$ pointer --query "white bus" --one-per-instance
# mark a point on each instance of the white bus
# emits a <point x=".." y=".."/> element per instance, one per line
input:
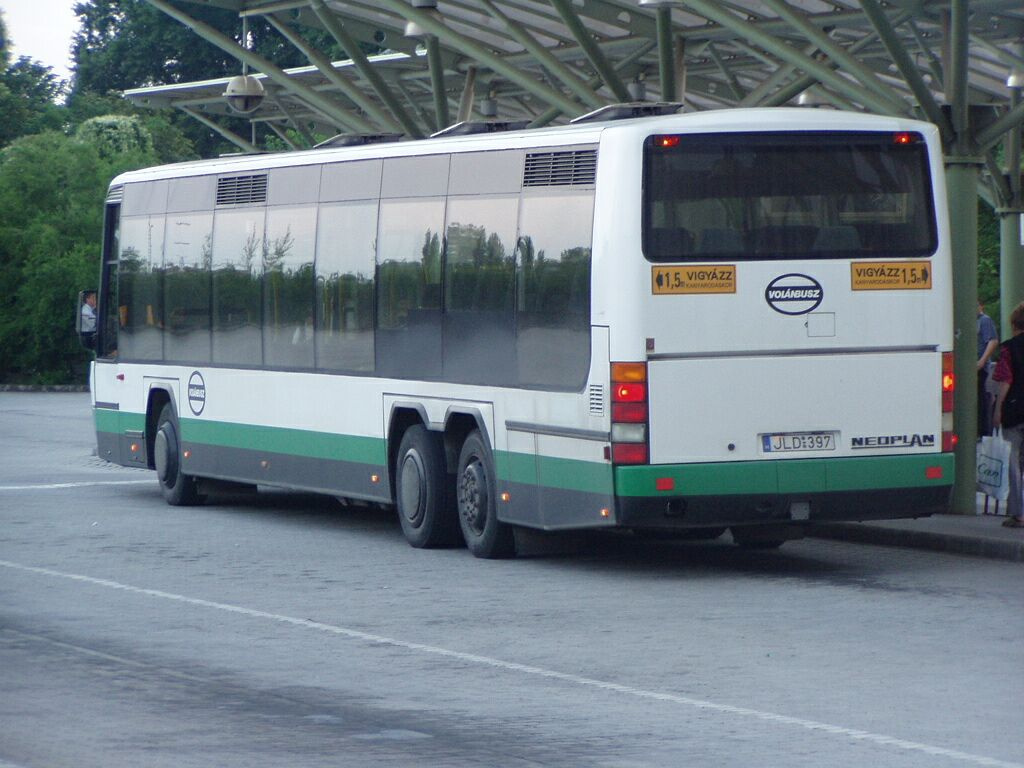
<point x="674" y="324"/>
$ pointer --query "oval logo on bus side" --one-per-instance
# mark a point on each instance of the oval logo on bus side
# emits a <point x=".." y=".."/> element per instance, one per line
<point x="794" y="294"/>
<point x="196" y="393"/>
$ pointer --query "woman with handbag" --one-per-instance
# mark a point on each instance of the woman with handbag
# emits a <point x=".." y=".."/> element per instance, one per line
<point x="1009" y="410"/>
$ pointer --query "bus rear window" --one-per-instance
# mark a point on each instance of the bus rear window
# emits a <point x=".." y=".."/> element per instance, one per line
<point x="815" y="195"/>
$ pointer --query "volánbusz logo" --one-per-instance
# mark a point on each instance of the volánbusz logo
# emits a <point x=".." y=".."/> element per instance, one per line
<point x="794" y="294"/>
<point x="196" y="393"/>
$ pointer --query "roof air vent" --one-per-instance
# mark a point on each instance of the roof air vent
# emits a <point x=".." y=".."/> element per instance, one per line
<point x="237" y="190"/>
<point x="560" y="169"/>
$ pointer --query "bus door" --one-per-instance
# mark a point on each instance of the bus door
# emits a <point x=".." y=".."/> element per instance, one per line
<point x="107" y="382"/>
<point x="799" y="298"/>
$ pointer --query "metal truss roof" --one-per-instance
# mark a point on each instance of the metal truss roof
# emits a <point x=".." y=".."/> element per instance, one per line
<point x="948" y="61"/>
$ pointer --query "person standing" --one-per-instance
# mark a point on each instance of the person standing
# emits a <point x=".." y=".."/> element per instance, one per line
<point x="988" y="342"/>
<point x="88" y="324"/>
<point x="1009" y="410"/>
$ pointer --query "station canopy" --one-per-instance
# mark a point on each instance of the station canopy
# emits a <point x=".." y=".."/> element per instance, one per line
<point x="440" y="62"/>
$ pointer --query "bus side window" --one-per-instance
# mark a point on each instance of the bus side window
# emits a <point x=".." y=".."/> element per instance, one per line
<point x="409" y="248"/>
<point x="553" y="319"/>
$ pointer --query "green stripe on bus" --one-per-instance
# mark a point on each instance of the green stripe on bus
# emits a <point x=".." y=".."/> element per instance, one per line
<point x="295" y="442"/>
<point x="788" y="476"/>
<point x="552" y="472"/>
<point x="109" y="420"/>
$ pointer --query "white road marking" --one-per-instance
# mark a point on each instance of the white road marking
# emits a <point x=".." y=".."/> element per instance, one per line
<point x="59" y="486"/>
<point x="510" y="666"/>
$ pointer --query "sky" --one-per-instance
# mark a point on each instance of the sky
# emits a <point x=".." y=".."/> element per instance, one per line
<point x="42" y="30"/>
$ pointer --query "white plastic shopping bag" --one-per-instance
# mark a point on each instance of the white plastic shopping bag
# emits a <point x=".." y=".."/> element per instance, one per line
<point x="994" y="466"/>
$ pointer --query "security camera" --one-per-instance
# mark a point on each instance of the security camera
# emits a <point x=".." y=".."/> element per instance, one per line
<point x="244" y="94"/>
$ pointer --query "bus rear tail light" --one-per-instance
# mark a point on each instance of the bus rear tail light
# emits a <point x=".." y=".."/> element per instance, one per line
<point x="630" y="413"/>
<point x="949" y="439"/>
<point x="948" y="382"/>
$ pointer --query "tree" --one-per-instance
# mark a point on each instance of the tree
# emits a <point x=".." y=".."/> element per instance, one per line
<point x="52" y="188"/>
<point x="28" y="94"/>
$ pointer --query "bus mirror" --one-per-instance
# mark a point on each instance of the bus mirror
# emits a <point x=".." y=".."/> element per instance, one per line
<point x="85" y="319"/>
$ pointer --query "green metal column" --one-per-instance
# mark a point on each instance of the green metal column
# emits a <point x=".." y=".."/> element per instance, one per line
<point x="1011" y="265"/>
<point x="1011" y="225"/>
<point x="962" y="187"/>
<point x="666" y="53"/>
<point x="441" y="120"/>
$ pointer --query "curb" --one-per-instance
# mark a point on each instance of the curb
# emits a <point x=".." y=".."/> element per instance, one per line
<point x="936" y="542"/>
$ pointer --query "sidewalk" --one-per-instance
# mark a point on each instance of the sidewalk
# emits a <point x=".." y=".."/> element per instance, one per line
<point x="980" y="535"/>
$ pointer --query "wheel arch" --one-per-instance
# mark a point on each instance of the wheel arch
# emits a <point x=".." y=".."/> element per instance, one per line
<point x="159" y="396"/>
<point x="402" y="416"/>
<point x="459" y="421"/>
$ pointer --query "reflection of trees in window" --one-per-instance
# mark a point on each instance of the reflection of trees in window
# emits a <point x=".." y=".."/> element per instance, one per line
<point x="346" y="302"/>
<point x="274" y="276"/>
<point x="288" y="287"/>
<point x="346" y="245"/>
<point x="411" y="285"/>
<point x="187" y="278"/>
<point x="480" y="269"/>
<point x="553" y="302"/>
<point x="238" y="246"/>
<point x="140" y="310"/>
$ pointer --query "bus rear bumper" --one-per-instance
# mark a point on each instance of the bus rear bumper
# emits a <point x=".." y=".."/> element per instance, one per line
<point x="796" y="490"/>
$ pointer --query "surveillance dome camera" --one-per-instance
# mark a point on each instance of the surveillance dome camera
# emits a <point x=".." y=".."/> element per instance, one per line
<point x="244" y="94"/>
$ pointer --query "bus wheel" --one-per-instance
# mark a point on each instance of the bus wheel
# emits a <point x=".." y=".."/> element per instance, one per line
<point x="485" y="535"/>
<point x="179" y="489"/>
<point x="424" y="505"/>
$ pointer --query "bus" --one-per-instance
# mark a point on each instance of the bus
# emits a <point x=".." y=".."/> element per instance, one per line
<point x="676" y="324"/>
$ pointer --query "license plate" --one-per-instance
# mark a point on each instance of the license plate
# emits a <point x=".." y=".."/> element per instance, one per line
<point x="799" y="441"/>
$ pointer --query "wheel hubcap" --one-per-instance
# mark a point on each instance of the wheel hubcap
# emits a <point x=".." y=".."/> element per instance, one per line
<point x="164" y="458"/>
<point x="472" y="496"/>
<point x="412" y="487"/>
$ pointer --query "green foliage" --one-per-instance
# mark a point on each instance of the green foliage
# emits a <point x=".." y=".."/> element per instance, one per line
<point x="988" y="260"/>
<point x="28" y="92"/>
<point x="115" y="135"/>
<point x="51" y="206"/>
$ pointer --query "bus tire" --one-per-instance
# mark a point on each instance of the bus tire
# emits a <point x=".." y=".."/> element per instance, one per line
<point x="179" y="489"/>
<point x="422" y="497"/>
<point x="476" y="492"/>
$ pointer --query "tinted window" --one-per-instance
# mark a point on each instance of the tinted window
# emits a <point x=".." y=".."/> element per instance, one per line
<point x="109" y="309"/>
<point x="553" y="303"/>
<point x="187" y="256"/>
<point x="346" y="242"/>
<point x="479" y="330"/>
<point x="141" y="292"/>
<point x="288" y="287"/>
<point x="409" y="249"/>
<point x="238" y="254"/>
<point x="769" y="196"/>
